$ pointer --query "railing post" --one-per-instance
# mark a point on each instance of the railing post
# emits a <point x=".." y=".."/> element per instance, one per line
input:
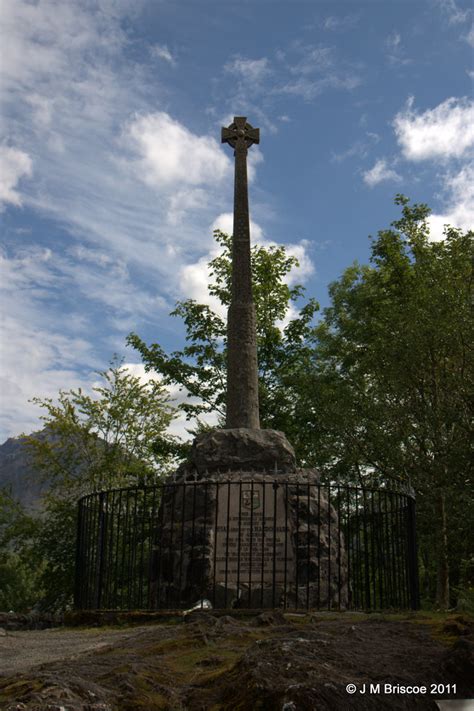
<point x="100" y="552"/>
<point x="78" y="572"/>
<point x="413" y="580"/>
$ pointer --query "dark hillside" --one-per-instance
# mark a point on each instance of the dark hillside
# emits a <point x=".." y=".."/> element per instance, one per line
<point x="18" y="474"/>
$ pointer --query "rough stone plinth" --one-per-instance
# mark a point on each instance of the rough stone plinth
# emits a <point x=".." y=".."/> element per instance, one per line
<point x="240" y="449"/>
<point x="213" y="544"/>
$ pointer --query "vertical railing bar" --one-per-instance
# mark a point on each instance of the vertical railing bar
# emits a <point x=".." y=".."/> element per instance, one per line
<point x="262" y="544"/>
<point x="275" y="487"/>
<point x="400" y="550"/>
<point x="100" y="551"/>
<point x="227" y="544"/>
<point x="405" y="528"/>
<point x="164" y="499"/>
<point x="413" y="553"/>
<point x="132" y="553"/>
<point x="388" y="556"/>
<point x="319" y="544"/>
<point x="215" y="546"/>
<point x="339" y="545"/>
<point x="193" y="534"/>
<point x="297" y="546"/>
<point x="366" y="554"/>
<point x="171" y="571"/>
<point x="372" y="545"/>
<point x="397" y="548"/>
<point x="78" y="569"/>
<point x="308" y="544"/>
<point x="239" y="540"/>
<point x="204" y="542"/>
<point x="151" y="551"/>
<point x="181" y="547"/>
<point x="348" y="546"/>
<point x="392" y="545"/>
<point x="117" y="551"/>
<point x="285" y="572"/>
<point x="94" y="523"/>
<point x="142" y="552"/>
<point x="358" y="564"/>
<point x="329" y="547"/>
<point x="107" y="556"/>
<point x="251" y="542"/>
<point x="380" y="551"/>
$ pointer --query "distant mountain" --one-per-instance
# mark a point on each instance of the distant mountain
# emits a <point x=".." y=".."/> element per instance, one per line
<point x="18" y="474"/>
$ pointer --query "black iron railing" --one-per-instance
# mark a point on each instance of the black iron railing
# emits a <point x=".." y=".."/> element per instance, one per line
<point x="249" y="543"/>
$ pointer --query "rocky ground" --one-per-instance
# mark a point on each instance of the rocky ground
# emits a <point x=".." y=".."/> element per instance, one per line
<point x="269" y="661"/>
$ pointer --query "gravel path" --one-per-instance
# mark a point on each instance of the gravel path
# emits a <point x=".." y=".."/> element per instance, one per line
<point x="21" y="650"/>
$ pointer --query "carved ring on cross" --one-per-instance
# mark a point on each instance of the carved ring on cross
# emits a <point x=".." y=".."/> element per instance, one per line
<point x="240" y="134"/>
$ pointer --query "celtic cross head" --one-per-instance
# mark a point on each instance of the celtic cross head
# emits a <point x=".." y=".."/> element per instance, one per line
<point x="240" y="134"/>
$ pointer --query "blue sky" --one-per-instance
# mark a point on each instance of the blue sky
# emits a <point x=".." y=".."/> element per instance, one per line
<point x="112" y="175"/>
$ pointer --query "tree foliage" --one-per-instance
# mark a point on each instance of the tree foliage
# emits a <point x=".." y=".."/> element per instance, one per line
<point x="391" y="388"/>
<point x="105" y="440"/>
<point x="283" y="340"/>
<point x="117" y="437"/>
<point x="19" y="572"/>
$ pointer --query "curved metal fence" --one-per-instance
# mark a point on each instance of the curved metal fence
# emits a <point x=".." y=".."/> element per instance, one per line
<point x="249" y="543"/>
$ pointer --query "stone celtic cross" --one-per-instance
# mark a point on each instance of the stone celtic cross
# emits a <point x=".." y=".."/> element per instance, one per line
<point x="242" y="368"/>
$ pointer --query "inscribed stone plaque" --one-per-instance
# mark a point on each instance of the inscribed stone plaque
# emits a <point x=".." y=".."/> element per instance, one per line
<point x="253" y="538"/>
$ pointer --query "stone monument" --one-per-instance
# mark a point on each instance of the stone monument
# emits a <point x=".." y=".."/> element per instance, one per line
<point x="241" y="525"/>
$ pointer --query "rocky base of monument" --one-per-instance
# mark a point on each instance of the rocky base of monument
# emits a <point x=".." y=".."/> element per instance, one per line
<point x="242" y="526"/>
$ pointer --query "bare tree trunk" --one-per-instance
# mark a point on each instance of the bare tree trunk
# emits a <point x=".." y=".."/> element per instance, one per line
<point x="442" y="586"/>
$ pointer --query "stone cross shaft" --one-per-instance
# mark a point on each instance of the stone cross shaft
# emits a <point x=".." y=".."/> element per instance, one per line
<point x="242" y="367"/>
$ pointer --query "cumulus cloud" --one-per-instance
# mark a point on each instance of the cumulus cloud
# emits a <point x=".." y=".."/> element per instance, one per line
<point x="170" y="153"/>
<point x="444" y="134"/>
<point x="379" y="173"/>
<point x="459" y="210"/>
<point x="447" y="131"/>
<point x="14" y="165"/>
<point x="194" y="278"/>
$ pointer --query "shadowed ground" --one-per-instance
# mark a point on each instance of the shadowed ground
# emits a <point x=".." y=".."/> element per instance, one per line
<point x="269" y="661"/>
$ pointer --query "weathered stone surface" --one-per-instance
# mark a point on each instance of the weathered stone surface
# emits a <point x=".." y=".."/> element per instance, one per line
<point x="242" y="367"/>
<point x="241" y="449"/>
<point x="250" y="539"/>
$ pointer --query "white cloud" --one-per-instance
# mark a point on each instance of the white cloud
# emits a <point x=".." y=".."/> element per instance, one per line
<point x="194" y="278"/>
<point x="14" y="165"/>
<point x="380" y="172"/>
<point x="71" y="92"/>
<point x="447" y="131"/>
<point x="334" y="23"/>
<point x="469" y="38"/>
<point x="250" y="70"/>
<point x="444" y="134"/>
<point x="309" y="89"/>
<point x="395" y="50"/>
<point x="459" y="211"/>
<point x="455" y="15"/>
<point x="161" y="51"/>
<point x="314" y="59"/>
<point x="170" y="153"/>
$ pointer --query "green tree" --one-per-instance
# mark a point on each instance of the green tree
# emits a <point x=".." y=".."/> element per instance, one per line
<point x="284" y="351"/>
<point x="391" y="388"/>
<point x="19" y="574"/>
<point x="113" y="438"/>
<point x="117" y="437"/>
